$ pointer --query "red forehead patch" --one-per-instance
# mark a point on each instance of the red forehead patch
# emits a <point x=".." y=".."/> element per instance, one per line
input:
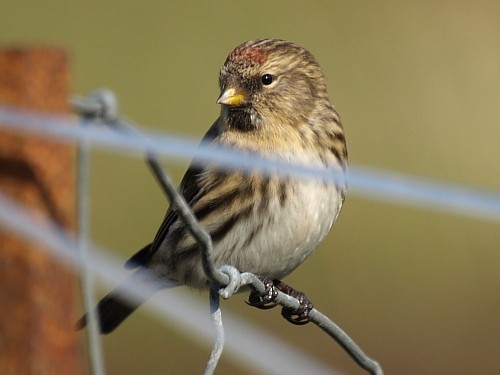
<point x="251" y="54"/>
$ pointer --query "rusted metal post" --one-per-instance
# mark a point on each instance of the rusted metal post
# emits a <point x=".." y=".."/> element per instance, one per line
<point x="37" y="294"/>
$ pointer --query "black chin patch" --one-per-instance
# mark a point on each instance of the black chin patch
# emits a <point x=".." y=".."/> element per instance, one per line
<point x="240" y="118"/>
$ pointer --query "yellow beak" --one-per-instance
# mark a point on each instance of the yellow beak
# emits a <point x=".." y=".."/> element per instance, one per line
<point x="231" y="97"/>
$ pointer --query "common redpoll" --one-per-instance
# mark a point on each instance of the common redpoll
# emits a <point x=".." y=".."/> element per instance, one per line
<point x="274" y="103"/>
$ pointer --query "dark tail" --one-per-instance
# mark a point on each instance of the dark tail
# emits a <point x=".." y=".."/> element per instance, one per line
<point x="113" y="309"/>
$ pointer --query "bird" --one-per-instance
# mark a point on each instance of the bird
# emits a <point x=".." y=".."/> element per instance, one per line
<point x="274" y="104"/>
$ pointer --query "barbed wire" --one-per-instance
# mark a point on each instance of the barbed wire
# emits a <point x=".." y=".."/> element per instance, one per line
<point x="375" y="184"/>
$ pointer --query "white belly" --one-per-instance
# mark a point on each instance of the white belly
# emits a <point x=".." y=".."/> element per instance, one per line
<point x="287" y="236"/>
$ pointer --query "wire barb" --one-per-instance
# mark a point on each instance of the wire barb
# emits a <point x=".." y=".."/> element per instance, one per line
<point x="99" y="104"/>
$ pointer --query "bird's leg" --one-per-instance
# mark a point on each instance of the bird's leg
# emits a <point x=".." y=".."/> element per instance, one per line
<point x="299" y="316"/>
<point x="264" y="301"/>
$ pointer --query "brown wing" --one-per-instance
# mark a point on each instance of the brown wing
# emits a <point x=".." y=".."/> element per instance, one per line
<point x="191" y="190"/>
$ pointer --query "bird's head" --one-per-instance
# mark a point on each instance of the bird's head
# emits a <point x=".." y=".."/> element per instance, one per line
<point x="269" y="82"/>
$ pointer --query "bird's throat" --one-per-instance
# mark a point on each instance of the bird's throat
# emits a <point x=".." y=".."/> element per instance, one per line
<point x="241" y="118"/>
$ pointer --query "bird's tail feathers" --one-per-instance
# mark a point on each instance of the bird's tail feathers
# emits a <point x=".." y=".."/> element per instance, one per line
<point x="114" y="308"/>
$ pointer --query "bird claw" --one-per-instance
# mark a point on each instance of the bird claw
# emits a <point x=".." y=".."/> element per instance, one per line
<point x="264" y="301"/>
<point x="298" y="316"/>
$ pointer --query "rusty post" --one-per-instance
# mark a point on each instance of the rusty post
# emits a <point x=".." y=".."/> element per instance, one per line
<point x="37" y="294"/>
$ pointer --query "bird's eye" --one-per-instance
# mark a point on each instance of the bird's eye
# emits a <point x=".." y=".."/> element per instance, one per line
<point x="267" y="79"/>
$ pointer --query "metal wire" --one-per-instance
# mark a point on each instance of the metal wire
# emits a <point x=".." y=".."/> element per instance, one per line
<point x="100" y="105"/>
<point x="392" y="187"/>
<point x="86" y="280"/>
<point x="346" y="342"/>
<point x="216" y="315"/>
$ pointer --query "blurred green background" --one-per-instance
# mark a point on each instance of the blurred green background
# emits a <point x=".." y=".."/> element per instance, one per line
<point x="418" y="87"/>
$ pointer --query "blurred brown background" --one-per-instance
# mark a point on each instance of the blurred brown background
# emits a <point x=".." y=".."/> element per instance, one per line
<point x="418" y="87"/>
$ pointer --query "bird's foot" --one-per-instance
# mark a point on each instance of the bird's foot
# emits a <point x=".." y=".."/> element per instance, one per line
<point x="267" y="300"/>
<point x="298" y="316"/>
